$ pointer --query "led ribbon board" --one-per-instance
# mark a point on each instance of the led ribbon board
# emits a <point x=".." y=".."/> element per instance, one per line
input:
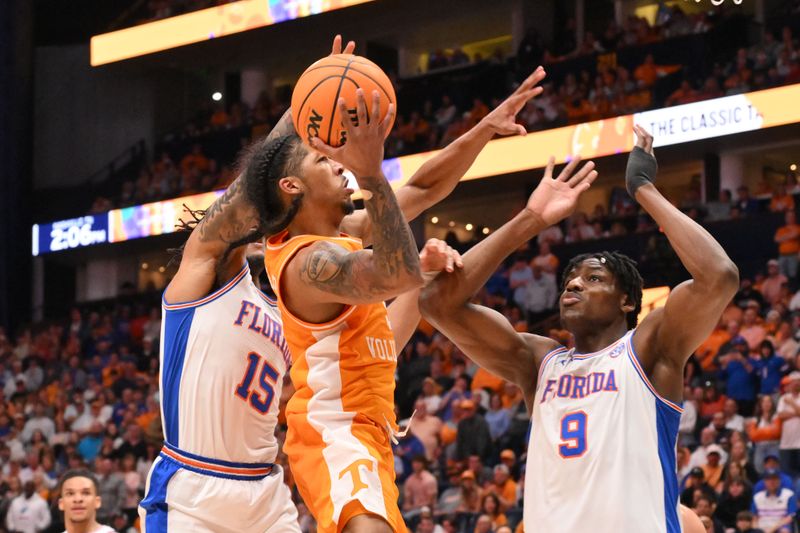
<point x="204" y="25"/>
<point x="670" y="126"/>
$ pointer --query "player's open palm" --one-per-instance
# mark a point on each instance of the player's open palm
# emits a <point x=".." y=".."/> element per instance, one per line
<point x="503" y="119"/>
<point x="437" y="256"/>
<point x="555" y="198"/>
<point x="363" y="151"/>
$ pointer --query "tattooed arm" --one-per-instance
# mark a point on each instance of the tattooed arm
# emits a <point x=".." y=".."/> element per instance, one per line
<point x="323" y="277"/>
<point x="326" y="273"/>
<point x="207" y="260"/>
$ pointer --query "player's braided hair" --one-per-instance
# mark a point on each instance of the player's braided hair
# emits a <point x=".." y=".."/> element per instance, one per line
<point x="260" y="167"/>
<point x="624" y="270"/>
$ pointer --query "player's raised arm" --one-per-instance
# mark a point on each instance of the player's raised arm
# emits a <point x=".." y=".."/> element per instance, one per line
<point x="211" y="255"/>
<point x="670" y="334"/>
<point x="481" y="333"/>
<point x="331" y="274"/>
<point x="439" y="176"/>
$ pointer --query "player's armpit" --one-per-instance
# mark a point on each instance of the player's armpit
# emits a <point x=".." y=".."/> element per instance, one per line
<point x="331" y="274"/>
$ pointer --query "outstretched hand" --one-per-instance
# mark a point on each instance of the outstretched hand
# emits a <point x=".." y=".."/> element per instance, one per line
<point x="556" y="198"/>
<point x="642" y="166"/>
<point x="437" y="256"/>
<point x="503" y="119"/>
<point x="363" y="151"/>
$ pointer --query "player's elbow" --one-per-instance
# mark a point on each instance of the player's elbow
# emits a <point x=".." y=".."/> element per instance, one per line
<point x="727" y="277"/>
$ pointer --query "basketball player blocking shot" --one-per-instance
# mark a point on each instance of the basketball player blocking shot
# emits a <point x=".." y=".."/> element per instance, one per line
<point x="602" y="450"/>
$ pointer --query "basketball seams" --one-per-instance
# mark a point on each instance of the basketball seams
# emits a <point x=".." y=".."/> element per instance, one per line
<point x="342" y="77"/>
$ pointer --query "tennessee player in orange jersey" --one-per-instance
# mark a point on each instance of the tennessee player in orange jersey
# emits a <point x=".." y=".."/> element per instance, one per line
<point x="331" y="292"/>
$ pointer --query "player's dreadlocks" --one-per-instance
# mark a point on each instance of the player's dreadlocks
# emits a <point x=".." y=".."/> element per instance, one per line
<point x="624" y="270"/>
<point x="260" y="167"/>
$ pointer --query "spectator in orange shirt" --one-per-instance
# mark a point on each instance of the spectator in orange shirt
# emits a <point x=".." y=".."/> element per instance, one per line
<point x="195" y="160"/>
<point x="483" y="379"/>
<point x="771" y="286"/>
<point x="788" y="239"/>
<point x="707" y="352"/>
<point x="503" y="486"/>
<point x="648" y="72"/>
<point x="781" y="201"/>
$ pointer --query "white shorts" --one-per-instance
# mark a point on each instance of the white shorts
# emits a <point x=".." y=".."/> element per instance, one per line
<point x="192" y="494"/>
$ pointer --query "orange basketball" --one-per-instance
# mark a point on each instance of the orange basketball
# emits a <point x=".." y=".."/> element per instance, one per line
<point x="314" y="109"/>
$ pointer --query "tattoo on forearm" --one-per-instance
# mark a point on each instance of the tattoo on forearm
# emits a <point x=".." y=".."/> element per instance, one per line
<point x="333" y="269"/>
<point x="395" y="251"/>
<point x="230" y="218"/>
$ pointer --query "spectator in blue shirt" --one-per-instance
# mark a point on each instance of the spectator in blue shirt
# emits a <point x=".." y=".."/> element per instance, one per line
<point x="770" y="368"/>
<point x="747" y="204"/>
<point x="738" y="373"/>
<point x="773" y="464"/>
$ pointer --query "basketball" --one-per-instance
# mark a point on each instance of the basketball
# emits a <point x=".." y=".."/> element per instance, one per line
<point x="314" y="109"/>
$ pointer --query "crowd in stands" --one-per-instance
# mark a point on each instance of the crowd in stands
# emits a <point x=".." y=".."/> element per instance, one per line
<point x="83" y="391"/>
<point x="191" y="160"/>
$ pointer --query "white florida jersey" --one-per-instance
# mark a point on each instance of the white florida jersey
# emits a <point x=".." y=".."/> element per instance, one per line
<point x="223" y="359"/>
<point x="602" y="450"/>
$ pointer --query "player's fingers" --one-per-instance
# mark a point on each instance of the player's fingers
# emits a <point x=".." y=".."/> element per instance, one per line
<point x="535" y="77"/>
<point x="350" y="47"/>
<point x="567" y="171"/>
<point x="325" y="149"/>
<point x="375" y="114"/>
<point x="336" y="48"/>
<point x="361" y="108"/>
<point x="459" y="261"/>
<point x="388" y="120"/>
<point x="344" y="114"/>
<point x="548" y="170"/>
<point x="521" y="130"/>
<point x="581" y="174"/>
<point x="449" y="264"/>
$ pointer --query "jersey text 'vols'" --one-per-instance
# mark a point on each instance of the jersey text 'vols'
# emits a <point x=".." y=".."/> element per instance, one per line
<point x="223" y="359"/>
<point x="602" y="451"/>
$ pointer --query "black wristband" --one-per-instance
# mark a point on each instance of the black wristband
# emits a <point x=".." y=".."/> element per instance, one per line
<point x="641" y="170"/>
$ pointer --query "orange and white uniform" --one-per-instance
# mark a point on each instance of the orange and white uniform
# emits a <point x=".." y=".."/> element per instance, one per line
<point x="342" y="413"/>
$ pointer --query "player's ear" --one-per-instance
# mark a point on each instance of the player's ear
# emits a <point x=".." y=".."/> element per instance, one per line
<point x="626" y="304"/>
<point x="98" y="502"/>
<point x="291" y="185"/>
<point x="60" y="504"/>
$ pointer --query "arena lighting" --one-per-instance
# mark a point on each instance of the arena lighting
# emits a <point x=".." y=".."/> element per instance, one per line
<point x="792" y="167"/>
<point x="468" y="227"/>
<point x="673" y="125"/>
<point x="434" y="220"/>
<point x="204" y="25"/>
<point x="217" y="96"/>
<point x="485" y="231"/>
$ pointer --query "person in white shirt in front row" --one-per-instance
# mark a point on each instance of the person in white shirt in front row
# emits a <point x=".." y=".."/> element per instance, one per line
<point x="28" y="512"/>
<point x="80" y="501"/>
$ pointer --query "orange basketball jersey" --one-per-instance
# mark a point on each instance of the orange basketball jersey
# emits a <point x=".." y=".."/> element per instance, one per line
<point x="344" y="366"/>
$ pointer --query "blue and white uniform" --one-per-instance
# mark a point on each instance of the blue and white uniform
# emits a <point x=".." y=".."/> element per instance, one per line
<point x="602" y="451"/>
<point x="223" y="359"/>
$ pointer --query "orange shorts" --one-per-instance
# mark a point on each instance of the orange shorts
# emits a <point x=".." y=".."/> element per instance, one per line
<point x="343" y="467"/>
